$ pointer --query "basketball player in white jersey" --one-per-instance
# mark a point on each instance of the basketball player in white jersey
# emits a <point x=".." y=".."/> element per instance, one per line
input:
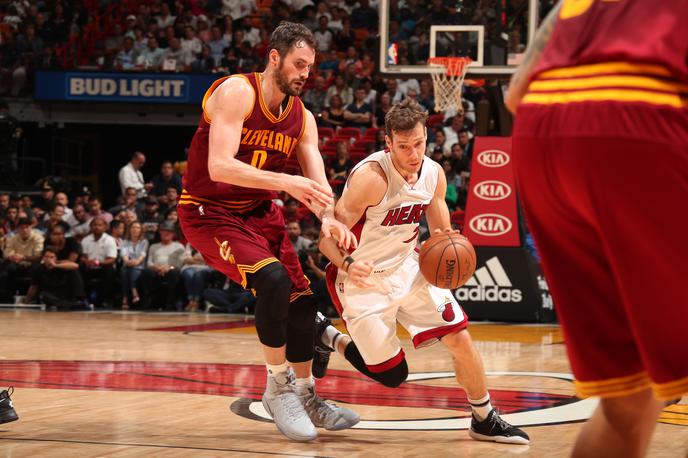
<point x="380" y="282"/>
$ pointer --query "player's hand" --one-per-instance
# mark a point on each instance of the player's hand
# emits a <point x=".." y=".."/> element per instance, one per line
<point x="332" y="228"/>
<point x="312" y="194"/>
<point x="359" y="273"/>
<point x="448" y="231"/>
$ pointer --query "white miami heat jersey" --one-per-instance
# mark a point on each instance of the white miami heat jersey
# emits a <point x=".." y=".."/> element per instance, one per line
<point x="388" y="232"/>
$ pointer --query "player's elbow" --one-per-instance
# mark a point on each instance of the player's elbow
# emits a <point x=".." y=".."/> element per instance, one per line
<point x="219" y="170"/>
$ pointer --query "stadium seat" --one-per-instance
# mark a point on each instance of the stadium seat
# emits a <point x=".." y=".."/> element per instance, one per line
<point x="436" y="120"/>
<point x="349" y="132"/>
<point x="326" y="132"/>
<point x="371" y="132"/>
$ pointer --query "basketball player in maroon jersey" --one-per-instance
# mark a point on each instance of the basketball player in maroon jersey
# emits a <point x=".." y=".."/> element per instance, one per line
<point x="251" y="125"/>
<point x="601" y="157"/>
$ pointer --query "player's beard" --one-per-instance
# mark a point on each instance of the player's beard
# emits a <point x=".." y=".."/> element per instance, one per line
<point x="285" y="85"/>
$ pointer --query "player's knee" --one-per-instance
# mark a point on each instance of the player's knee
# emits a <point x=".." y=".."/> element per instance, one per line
<point x="624" y="410"/>
<point x="272" y="286"/>
<point x="458" y="341"/>
<point x="302" y="314"/>
<point x="393" y="377"/>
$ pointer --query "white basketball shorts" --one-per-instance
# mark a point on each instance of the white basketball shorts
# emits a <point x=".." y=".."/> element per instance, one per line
<point x="402" y="294"/>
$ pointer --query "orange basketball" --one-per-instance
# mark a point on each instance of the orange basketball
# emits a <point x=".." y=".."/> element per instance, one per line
<point x="447" y="260"/>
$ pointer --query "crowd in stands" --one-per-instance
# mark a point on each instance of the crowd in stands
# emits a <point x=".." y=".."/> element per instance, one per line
<point x="71" y="250"/>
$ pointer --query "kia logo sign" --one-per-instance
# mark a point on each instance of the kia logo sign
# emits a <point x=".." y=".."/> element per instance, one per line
<point x="490" y="224"/>
<point x="492" y="190"/>
<point x="493" y="158"/>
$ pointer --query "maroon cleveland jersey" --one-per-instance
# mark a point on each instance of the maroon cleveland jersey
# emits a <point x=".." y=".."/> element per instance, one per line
<point x="621" y="31"/>
<point x="267" y="142"/>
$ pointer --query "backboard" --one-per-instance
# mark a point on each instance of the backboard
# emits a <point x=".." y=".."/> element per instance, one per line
<point x="493" y="33"/>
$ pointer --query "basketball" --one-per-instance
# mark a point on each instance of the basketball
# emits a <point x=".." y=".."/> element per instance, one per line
<point x="447" y="260"/>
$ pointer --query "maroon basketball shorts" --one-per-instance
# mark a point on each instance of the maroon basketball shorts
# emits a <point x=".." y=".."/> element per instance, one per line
<point x="609" y="214"/>
<point x="238" y="244"/>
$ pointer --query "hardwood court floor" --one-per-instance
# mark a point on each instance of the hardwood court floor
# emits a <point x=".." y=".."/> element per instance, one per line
<point x="131" y="385"/>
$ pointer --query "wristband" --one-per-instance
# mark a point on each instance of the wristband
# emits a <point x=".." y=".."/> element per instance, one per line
<point x="347" y="263"/>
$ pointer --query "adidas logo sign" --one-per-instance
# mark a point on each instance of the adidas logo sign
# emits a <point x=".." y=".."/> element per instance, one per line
<point x="489" y="284"/>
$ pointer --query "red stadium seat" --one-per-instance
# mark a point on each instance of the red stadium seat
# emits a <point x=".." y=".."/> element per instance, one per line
<point x="436" y="120"/>
<point x="333" y="142"/>
<point x="326" y="132"/>
<point x="371" y="132"/>
<point x="349" y="132"/>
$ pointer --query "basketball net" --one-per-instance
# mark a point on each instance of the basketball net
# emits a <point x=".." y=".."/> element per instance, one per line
<point x="448" y="83"/>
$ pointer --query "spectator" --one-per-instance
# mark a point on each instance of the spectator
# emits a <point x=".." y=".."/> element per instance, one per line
<point x="232" y="298"/>
<point x="117" y="232"/>
<point x="458" y="122"/>
<point x="115" y="40"/>
<point x="460" y="161"/>
<point x="80" y="223"/>
<point x="60" y="198"/>
<point x="333" y="116"/>
<point x="341" y="165"/>
<point x="314" y="99"/>
<point x="370" y="93"/>
<point x="440" y="144"/>
<point x="345" y="93"/>
<point x="247" y="60"/>
<point x="413" y="95"/>
<point x="393" y="90"/>
<point x="151" y="218"/>
<point x="426" y="96"/>
<point x="22" y="250"/>
<point x="162" y="267"/>
<point x="323" y="35"/>
<point x="166" y="178"/>
<point x="365" y="67"/>
<point x="453" y="184"/>
<point x="230" y="62"/>
<point x="130" y="176"/>
<point x="217" y="44"/>
<point x="202" y="29"/>
<point x="96" y="210"/>
<point x="350" y="58"/>
<point x="57" y="283"/>
<point x="292" y="211"/>
<point x="66" y="248"/>
<point x="203" y="63"/>
<point x="364" y="17"/>
<point x="299" y="242"/>
<point x="133" y="252"/>
<point x="310" y="20"/>
<point x="405" y="84"/>
<point x="330" y="64"/>
<point x="28" y="43"/>
<point x="165" y="19"/>
<point x="191" y="43"/>
<point x="238" y="9"/>
<point x="99" y="254"/>
<point x="150" y="57"/>
<point x="345" y="37"/>
<point x="335" y="23"/>
<point x="314" y="265"/>
<point x="195" y="274"/>
<point x="466" y="143"/>
<point x="381" y="110"/>
<point x="47" y="195"/>
<point x="54" y="219"/>
<point x="5" y="202"/>
<point x="176" y="58"/>
<point x="168" y="201"/>
<point x="359" y="113"/>
<point x="129" y="203"/>
<point x="251" y="34"/>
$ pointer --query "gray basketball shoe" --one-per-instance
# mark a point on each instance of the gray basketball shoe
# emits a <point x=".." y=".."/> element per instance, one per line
<point x="327" y="415"/>
<point x="286" y="409"/>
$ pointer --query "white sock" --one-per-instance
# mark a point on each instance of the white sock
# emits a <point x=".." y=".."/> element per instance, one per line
<point x="303" y="384"/>
<point x="274" y="369"/>
<point x="481" y="407"/>
<point x="330" y="335"/>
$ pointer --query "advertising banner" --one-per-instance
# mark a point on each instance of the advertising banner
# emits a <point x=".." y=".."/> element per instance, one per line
<point x="491" y="209"/>
<point x="122" y="87"/>
<point x="507" y="286"/>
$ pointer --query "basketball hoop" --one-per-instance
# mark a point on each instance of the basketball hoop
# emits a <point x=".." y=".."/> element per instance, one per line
<point x="448" y="83"/>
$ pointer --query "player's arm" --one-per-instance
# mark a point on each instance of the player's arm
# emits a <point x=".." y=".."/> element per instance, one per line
<point x="437" y="213"/>
<point x="313" y="167"/>
<point x="227" y="118"/>
<point x="518" y="86"/>
<point x="366" y="188"/>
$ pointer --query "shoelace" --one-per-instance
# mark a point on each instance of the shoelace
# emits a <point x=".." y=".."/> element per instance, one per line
<point x="499" y="421"/>
<point x="10" y="391"/>
<point x="323" y="409"/>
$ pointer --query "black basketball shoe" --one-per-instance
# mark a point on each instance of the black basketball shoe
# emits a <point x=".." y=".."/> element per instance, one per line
<point x="494" y="429"/>
<point x="7" y="412"/>
<point x="321" y="353"/>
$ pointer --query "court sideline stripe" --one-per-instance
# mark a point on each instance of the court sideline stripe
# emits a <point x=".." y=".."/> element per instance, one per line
<point x="156" y="446"/>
